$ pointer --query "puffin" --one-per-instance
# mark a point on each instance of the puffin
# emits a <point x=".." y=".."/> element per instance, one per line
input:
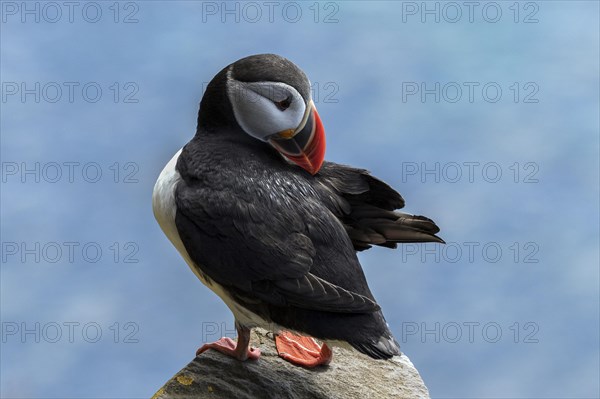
<point x="273" y="229"/>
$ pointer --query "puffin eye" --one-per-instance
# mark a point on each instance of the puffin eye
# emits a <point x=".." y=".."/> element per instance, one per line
<point x="284" y="104"/>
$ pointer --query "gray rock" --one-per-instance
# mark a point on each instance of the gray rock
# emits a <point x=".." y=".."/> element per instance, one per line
<point x="350" y="375"/>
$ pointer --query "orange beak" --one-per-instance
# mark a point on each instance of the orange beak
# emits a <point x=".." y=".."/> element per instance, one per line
<point x="306" y="146"/>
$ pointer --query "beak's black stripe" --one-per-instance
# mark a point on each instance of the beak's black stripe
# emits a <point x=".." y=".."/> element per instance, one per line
<point x="300" y="141"/>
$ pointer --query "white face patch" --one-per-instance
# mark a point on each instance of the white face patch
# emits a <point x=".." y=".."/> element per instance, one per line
<point x="257" y="112"/>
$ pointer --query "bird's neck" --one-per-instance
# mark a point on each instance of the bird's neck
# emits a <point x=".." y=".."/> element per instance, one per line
<point x="225" y="149"/>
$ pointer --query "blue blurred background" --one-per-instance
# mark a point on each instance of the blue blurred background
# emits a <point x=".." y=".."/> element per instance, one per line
<point x="485" y="118"/>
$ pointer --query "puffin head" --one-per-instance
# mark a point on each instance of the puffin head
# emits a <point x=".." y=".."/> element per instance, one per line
<point x="269" y="98"/>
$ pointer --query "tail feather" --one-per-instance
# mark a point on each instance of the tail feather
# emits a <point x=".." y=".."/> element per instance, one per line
<point x="385" y="348"/>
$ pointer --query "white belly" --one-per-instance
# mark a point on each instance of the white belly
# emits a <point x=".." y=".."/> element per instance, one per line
<point x="164" y="208"/>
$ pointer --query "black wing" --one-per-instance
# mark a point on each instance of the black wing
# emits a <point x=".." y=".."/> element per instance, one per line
<point x="365" y="205"/>
<point x="269" y="237"/>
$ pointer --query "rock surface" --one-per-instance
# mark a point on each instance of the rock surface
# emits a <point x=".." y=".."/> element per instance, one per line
<point x="350" y="375"/>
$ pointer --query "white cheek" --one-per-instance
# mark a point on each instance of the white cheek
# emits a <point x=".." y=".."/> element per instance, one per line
<point x="259" y="116"/>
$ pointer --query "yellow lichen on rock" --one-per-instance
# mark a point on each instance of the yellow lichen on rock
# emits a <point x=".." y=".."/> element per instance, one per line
<point x="158" y="393"/>
<point x="185" y="380"/>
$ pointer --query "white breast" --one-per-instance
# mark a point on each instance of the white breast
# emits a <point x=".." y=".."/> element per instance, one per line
<point x="163" y="202"/>
<point x="165" y="208"/>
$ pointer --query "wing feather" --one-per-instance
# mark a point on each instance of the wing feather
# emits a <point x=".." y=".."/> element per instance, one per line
<point x="365" y="205"/>
<point x="283" y="251"/>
